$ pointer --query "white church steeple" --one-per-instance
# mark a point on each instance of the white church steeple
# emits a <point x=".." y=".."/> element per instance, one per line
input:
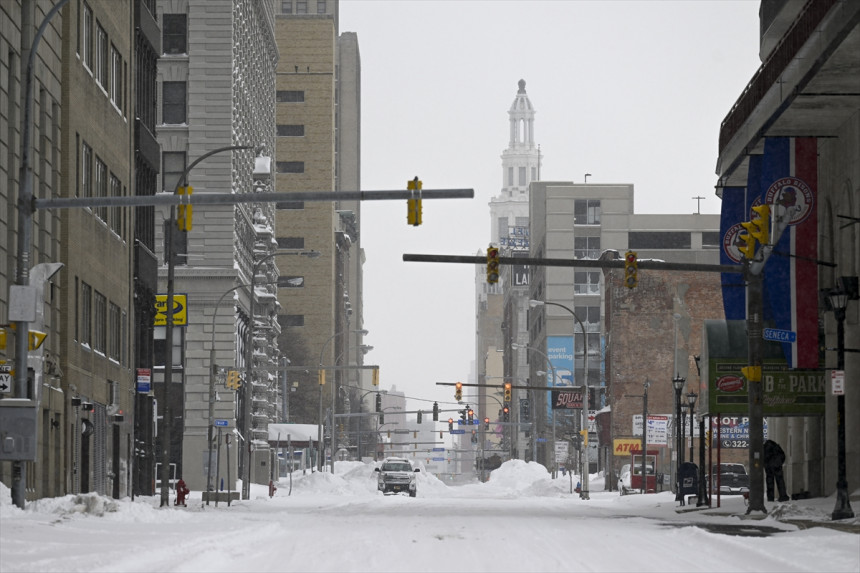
<point x="520" y="166"/>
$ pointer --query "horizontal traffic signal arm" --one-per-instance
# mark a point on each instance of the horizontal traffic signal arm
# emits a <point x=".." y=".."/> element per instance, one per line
<point x="644" y="264"/>
<point x="497" y="387"/>
<point x="202" y="198"/>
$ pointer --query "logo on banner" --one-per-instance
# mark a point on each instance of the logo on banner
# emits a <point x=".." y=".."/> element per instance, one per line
<point x="732" y="244"/>
<point x="793" y="194"/>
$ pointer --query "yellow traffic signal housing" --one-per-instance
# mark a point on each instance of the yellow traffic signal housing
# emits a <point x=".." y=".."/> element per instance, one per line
<point x="376" y="376"/>
<point x="747" y="249"/>
<point x="759" y="227"/>
<point x="752" y="373"/>
<point x="507" y="391"/>
<point x="321" y="377"/>
<point x="584" y="434"/>
<point x="183" y="218"/>
<point x="233" y="380"/>
<point x="492" y="264"/>
<point x="458" y="391"/>
<point x="413" y="206"/>
<point x="631" y="269"/>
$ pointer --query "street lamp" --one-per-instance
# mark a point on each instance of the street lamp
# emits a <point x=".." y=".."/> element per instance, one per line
<point x="584" y="414"/>
<point x="839" y="302"/>
<point x="168" y="338"/>
<point x="333" y="396"/>
<point x="247" y="387"/>
<point x="691" y="403"/>
<point x="678" y="384"/>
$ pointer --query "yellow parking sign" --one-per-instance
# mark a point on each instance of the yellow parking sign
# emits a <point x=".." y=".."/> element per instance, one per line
<point x="180" y="310"/>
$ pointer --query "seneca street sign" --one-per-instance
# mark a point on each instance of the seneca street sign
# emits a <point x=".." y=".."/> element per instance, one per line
<point x="779" y="335"/>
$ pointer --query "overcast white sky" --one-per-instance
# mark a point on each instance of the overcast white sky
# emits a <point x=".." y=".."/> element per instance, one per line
<point x="628" y="91"/>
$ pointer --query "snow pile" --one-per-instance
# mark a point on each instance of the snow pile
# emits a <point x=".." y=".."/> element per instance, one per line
<point x="529" y="479"/>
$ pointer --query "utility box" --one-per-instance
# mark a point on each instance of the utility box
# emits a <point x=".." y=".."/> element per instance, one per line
<point x="17" y="430"/>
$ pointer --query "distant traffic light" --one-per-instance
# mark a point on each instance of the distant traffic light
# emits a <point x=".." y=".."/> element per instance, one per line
<point x="462" y="416"/>
<point x="486" y="423"/>
<point x="419" y="416"/>
<point x="450" y="424"/>
<point x="492" y="264"/>
<point x="471" y="414"/>
<point x="435" y="411"/>
<point x="757" y="229"/>
<point x="507" y="391"/>
<point x="233" y="380"/>
<point x="379" y="402"/>
<point x="413" y="206"/>
<point x="631" y="269"/>
<point x="506" y="411"/>
<point x="458" y="391"/>
<point x="375" y="379"/>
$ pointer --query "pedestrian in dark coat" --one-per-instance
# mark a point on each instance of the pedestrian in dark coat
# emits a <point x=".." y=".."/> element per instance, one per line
<point x="774" y="457"/>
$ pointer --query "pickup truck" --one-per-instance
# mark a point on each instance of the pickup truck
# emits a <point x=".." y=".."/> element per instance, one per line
<point x="730" y="479"/>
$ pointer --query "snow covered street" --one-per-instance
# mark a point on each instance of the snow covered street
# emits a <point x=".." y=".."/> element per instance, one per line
<point x="521" y="520"/>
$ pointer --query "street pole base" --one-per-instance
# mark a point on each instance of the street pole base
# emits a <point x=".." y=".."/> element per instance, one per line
<point x="843" y="505"/>
<point x="751" y="509"/>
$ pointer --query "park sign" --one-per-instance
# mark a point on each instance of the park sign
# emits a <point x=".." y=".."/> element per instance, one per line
<point x="725" y="390"/>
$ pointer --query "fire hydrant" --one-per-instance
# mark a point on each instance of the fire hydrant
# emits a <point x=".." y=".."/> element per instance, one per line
<point x="272" y="488"/>
<point x="181" y="492"/>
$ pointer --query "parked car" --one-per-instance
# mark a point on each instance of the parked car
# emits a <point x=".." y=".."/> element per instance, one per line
<point x="630" y="481"/>
<point x="397" y="475"/>
<point x="730" y="479"/>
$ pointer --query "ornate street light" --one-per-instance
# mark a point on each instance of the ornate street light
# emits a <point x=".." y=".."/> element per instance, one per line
<point x="839" y="302"/>
<point x="678" y="384"/>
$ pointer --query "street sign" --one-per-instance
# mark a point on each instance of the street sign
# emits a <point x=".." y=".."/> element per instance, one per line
<point x="438" y="449"/>
<point x="220" y="423"/>
<point x="541" y="440"/>
<point x="779" y="335"/>
<point x="5" y="379"/>
<point x="837" y="382"/>
<point x="438" y="459"/>
<point x="457" y="431"/>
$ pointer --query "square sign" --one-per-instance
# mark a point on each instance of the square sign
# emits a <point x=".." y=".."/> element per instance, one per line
<point x="837" y="382"/>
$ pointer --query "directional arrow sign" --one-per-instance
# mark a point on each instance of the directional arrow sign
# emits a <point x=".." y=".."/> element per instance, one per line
<point x="5" y="379"/>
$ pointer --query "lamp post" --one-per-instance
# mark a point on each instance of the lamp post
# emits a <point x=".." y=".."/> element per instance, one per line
<point x="584" y="421"/>
<point x="334" y="395"/>
<point x="839" y="302"/>
<point x="247" y="387"/>
<point x="678" y="384"/>
<point x="691" y="403"/>
<point x="168" y="338"/>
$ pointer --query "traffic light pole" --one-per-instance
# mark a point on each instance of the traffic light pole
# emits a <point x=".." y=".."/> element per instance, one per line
<point x="755" y="394"/>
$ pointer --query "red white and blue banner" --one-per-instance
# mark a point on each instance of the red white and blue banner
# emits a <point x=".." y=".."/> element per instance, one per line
<point x="790" y="178"/>
<point x="786" y="175"/>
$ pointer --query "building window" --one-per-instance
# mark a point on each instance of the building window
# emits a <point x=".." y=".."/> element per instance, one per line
<point x="101" y="56"/>
<point x="87" y="36"/>
<point x="291" y="242"/>
<point x="286" y="6"/>
<point x="86" y="170"/>
<point x="291" y="282"/>
<point x="101" y="188"/>
<point x="301" y="7"/>
<point x="711" y="240"/>
<point x="659" y="240"/>
<point x="510" y="176"/>
<point x="116" y="213"/>
<point x="116" y="80"/>
<point x="173" y="108"/>
<point x="586" y="211"/>
<point x="291" y="320"/>
<point x="172" y="167"/>
<point x="320" y="6"/>
<point x="290" y="205"/>
<point x="159" y="350"/>
<point x="586" y="247"/>
<point x="522" y="176"/>
<point x="291" y="130"/>
<point x="99" y="322"/>
<point x="174" y="33"/>
<point x="290" y="166"/>
<point x="86" y="314"/>
<point x="115" y="337"/>
<point x="290" y="96"/>
<point x="586" y="282"/>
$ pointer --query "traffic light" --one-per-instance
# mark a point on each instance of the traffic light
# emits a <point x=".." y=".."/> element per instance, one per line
<point x="321" y="377"/>
<point x="507" y="391"/>
<point x="435" y="411"/>
<point x="462" y="416"/>
<point x="450" y="424"/>
<point x="458" y="391"/>
<point x="233" y="380"/>
<point x="413" y="206"/>
<point x="757" y="229"/>
<point x="631" y="269"/>
<point x="584" y="434"/>
<point x="471" y="414"/>
<point x="486" y="423"/>
<point x="752" y="373"/>
<point x="492" y="264"/>
<point x="183" y="218"/>
<point x="419" y="416"/>
<point x="375" y="376"/>
<point x="379" y="402"/>
<point x="506" y="411"/>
